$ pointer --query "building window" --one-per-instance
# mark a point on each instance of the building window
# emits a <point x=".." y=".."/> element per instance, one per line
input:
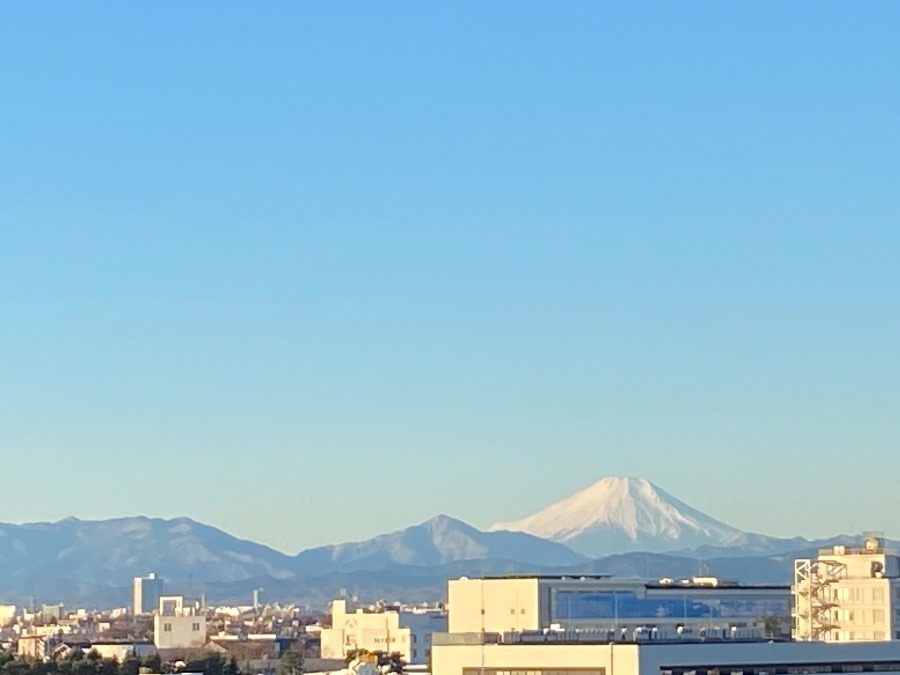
<point x="195" y="627"/>
<point x="167" y="627"/>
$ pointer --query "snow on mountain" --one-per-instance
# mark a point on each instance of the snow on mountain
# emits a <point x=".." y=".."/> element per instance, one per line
<point x="437" y="541"/>
<point x="628" y="514"/>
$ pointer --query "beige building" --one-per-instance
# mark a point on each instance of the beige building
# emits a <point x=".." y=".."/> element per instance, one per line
<point x="510" y="627"/>
<point x="177" y="627"/>
<point x="601" y="603"/>
<point x="467" y="655"/>
<point x="848" y="594"/>
<point x="373" y="629"/>
<point x="32" y="647"/>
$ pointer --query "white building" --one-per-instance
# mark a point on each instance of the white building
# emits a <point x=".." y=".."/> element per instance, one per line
<point x="531" y="603"/>
<point x="118" y="650"/>
<point x="508" y="627"/>
<point x="465" y="654"/>
<point x="145" y="593"/>
<point x="177" y="627"/>
<point x="848" y="594"/>
<point x="373" y="629"/>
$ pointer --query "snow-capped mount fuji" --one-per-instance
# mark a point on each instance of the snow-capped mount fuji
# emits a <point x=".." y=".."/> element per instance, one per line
<point x="618" y="514"/>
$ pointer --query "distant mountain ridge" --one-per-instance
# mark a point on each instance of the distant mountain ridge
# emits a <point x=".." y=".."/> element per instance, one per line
<point x="112" y="552"/>
<point x="122" y="548"/>
<point x="631" y="527"/>
<point x="437" y="541"/>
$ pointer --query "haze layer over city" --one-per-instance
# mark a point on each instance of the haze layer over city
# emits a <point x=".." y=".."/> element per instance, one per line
<point x="314" y="273"/>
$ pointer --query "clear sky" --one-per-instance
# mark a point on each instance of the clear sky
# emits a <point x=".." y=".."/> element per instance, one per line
<point x="310" y="272"/>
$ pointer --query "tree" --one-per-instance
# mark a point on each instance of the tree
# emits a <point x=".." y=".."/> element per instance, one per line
<point x="108" y="667"/>
<point x="209" y="665"/>
<point x="131" y="665"/>
<point x="291" y="663"/>
<point x="153" y="662"/>
<point x="85" y="666"/>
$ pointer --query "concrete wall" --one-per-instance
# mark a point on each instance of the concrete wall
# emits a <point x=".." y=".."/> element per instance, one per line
<point x="534" y="659"/>
<point x="648" y="659"/>
<point x="179" y="632"/>
<point x="493" y="605"/>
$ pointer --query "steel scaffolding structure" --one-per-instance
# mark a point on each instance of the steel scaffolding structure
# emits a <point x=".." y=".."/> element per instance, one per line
<point x="815" y="600"/>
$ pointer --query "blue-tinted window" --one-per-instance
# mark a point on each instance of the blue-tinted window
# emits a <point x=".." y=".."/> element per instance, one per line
<point x="626" y="605"/>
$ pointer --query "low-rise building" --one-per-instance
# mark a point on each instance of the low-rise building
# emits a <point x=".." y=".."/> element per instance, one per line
<point x="177" y="627"/>
<point x="374" y="629"/>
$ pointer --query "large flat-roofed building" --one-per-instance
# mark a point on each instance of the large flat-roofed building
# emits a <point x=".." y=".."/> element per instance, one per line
<point x="534" y="603"/>
<point x="848" y="594"/>
<point x="470" y="655"/>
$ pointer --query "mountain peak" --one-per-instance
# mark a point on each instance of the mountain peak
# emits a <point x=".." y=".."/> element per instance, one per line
<point x="623" y="513"/>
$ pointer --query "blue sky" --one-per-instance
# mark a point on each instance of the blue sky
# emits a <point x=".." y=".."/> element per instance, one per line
<point x="311" y="272"/>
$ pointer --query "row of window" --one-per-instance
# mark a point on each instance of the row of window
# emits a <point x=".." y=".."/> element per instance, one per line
<point x="860" y="595"/>
<point x="167" y="627"/>
<point x="627" y="604"/>
<point x="867" y="616"/>
<point x="861" y="635"/>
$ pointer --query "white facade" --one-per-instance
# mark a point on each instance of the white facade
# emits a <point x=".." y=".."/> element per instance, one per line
<point x="179" y="632"/>
<point x="848" y="594"/>
<point x="467" y="655"/>
<point x="145" y="592"/>
<point x="373" y="631"/>
<point x="122" y="650"/>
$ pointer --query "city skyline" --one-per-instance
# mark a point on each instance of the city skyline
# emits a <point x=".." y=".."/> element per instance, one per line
<point x="311" y="273"/>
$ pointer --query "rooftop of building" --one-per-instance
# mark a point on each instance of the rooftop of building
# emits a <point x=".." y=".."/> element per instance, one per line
<point x="706" y="582"/>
